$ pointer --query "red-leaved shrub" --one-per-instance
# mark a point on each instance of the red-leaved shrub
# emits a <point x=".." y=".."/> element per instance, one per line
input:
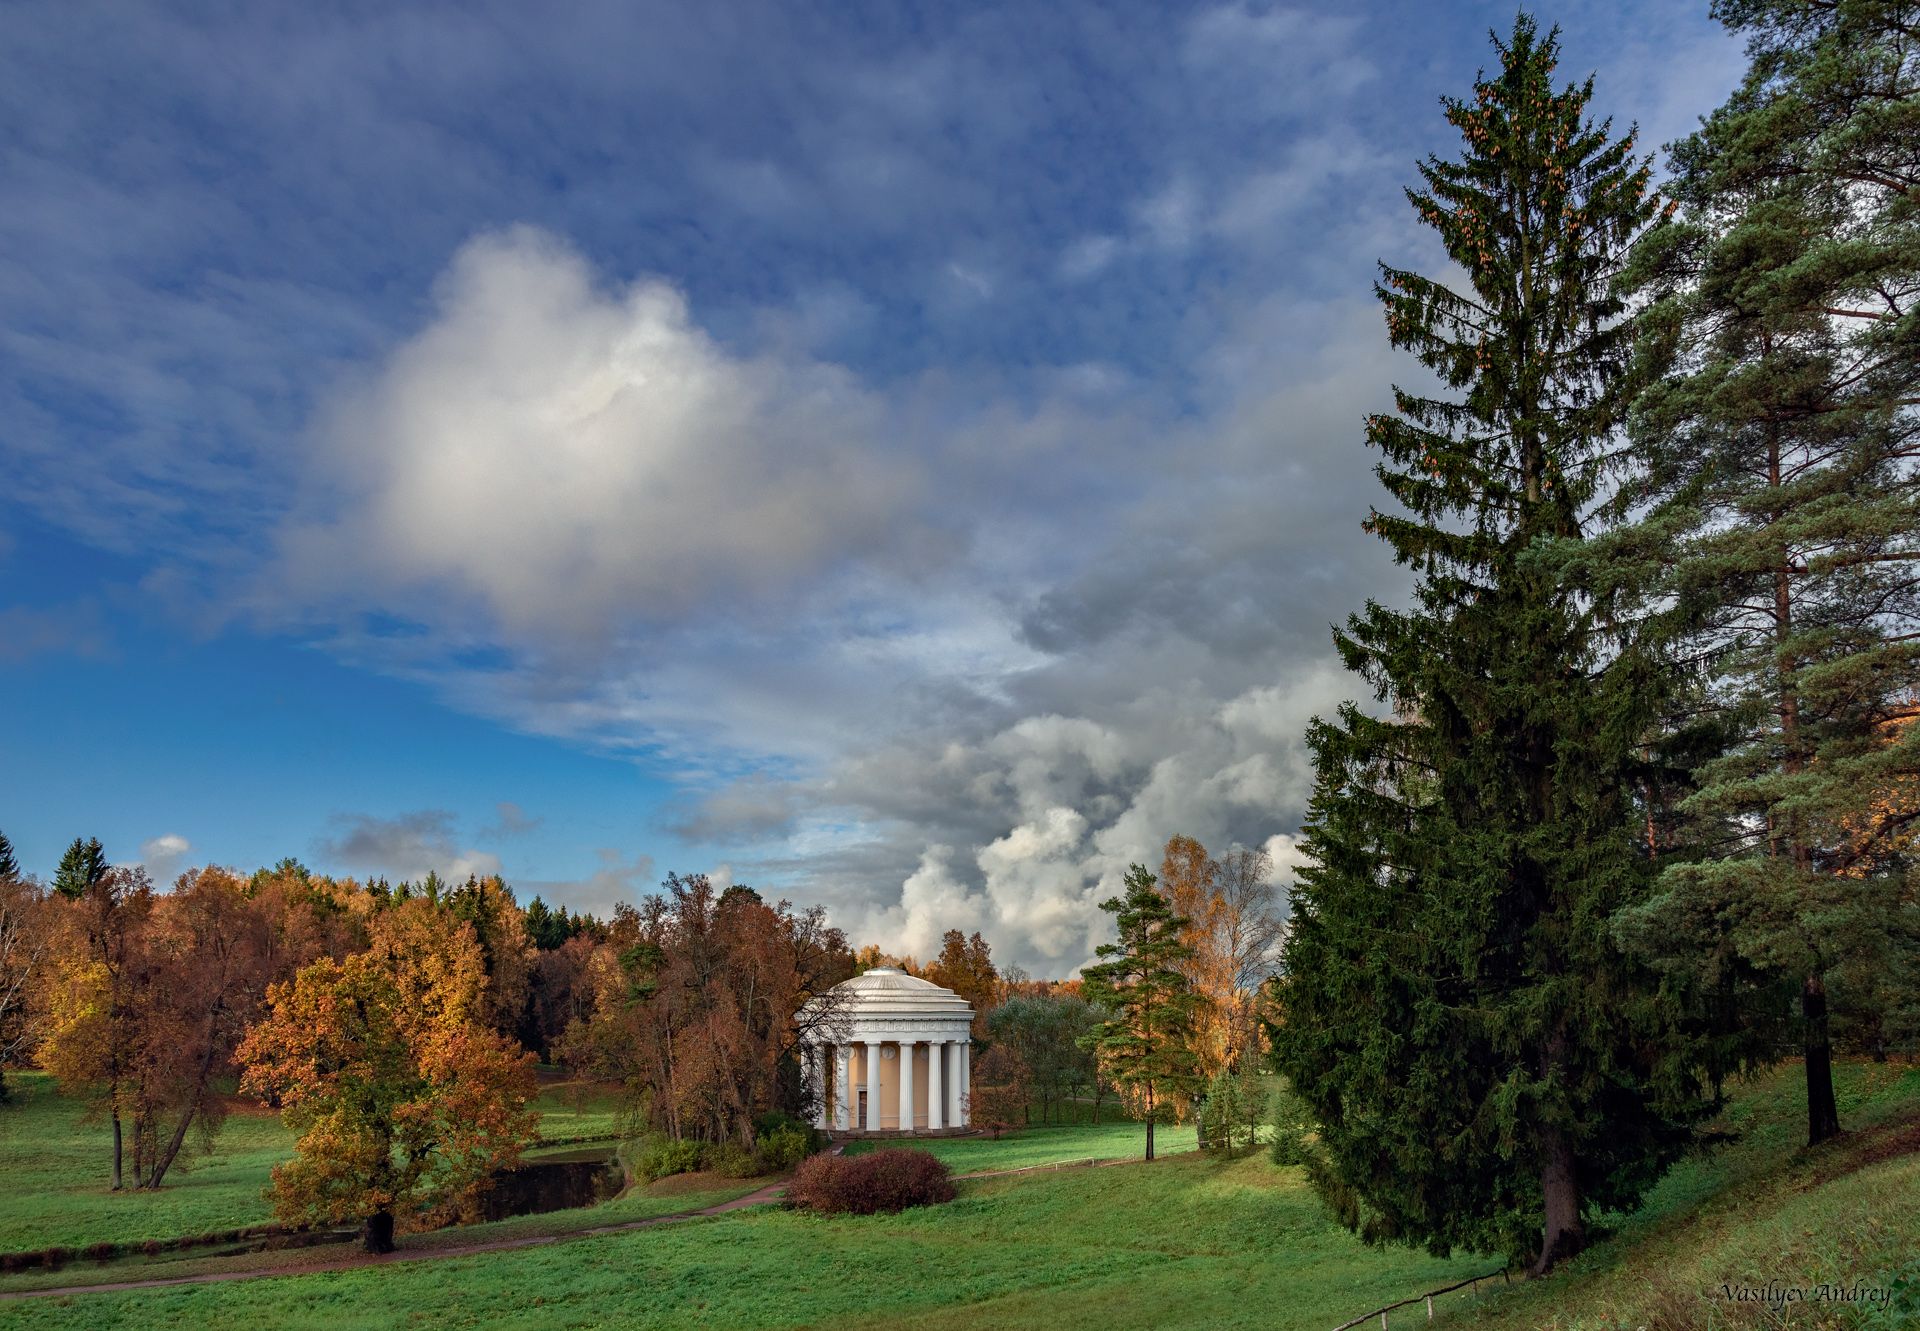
<point x="887" y="1180"/>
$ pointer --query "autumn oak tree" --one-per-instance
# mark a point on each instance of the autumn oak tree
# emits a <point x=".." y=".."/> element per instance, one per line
<point x="406" y="1103"/>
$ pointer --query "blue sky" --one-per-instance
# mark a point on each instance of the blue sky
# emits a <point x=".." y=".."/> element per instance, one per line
<point x="906" y="457"/>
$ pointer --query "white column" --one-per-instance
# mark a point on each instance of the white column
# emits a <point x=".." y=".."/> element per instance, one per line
<point x="906" y="1086"/>
<point x="936" y="1088"/>
<point x="966" y="1082"/>
<point x="842" y="1077"/>
<point x="873" y="1086"/>
<point x="817" y="1084"/>
<point x="955" y="1119"/>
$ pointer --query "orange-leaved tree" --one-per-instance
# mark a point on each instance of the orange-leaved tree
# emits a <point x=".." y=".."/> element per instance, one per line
<point x="965" y="965"/>
<point x="1233" y="927"/>
<point x="406" y="1104"/>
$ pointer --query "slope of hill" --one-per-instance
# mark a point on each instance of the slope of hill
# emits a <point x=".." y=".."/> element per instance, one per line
<point x="1761" y="1232"/>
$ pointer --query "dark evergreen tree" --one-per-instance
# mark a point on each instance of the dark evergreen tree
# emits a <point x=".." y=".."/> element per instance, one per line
<point x="9" y="866"/>
<point x="1147" y="1042"/>
<point x="548" y="928"/>
<point x="1784" y="523"/>
<point x="1486" y="1066"/>
<point x="83" y="865"/>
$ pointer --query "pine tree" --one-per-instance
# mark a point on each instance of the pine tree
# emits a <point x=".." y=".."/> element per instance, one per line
<point x="1148" y="1042"/>
<point x="83" y="865"/>
<point x="1485" y="1065"/>
<point x="9" y="866"/>
<point x="1784" y="521"/>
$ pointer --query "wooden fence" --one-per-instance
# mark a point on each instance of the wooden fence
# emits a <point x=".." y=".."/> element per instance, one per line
<point x="1428" y="1297"/>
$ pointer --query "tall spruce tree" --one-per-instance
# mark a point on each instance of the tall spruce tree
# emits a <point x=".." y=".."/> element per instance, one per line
<point x="9" y="866"/>
<point x="83" y="865"/>
<point x="1783" y="537"/>
<point x="1147" y="1044"/>
<point x="1486" y="1066"/>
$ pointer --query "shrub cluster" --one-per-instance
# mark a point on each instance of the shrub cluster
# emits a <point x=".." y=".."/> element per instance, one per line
<point x="887" y="1180"/>
<point x="655" y="1156"/>
<point x="781" y="1143"/>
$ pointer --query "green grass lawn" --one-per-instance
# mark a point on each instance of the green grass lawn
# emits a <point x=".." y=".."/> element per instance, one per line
<point x="577" y="1110"/>
<point x="55" y="1168"/>
<point x="57" y="1173"/>
<point x="1188" y="1241"/>
<point x="1046" y="1146"/>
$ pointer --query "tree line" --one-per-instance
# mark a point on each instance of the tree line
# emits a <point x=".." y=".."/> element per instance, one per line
<point x="1635" y="812"/>
<point x="397" y="1025"/>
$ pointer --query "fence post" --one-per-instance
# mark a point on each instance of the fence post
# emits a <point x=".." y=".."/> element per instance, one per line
<point x="1429" y="1307"/>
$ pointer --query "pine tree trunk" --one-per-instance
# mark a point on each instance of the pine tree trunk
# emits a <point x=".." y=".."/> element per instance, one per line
<point x="1563" y="1234"/>
<point x="1149" y="1121"/>
<point x="1823" y="1114"/>
<point x="378" y="1234"/>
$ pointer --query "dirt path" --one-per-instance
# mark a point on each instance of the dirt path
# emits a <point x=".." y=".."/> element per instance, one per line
<point x="353" y="1263"/>
<point x="761" y="1197"/>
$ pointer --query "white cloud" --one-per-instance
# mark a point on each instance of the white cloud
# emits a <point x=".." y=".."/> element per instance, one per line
<point x="559" y="457"/>
<point x="164" y="855"/>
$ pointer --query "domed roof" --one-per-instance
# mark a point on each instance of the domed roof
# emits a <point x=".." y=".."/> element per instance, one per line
<point x="888" y="992"/>
<point x="890" y="979"/>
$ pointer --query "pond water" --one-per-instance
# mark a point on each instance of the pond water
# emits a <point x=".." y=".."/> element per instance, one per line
<point x="556" y="1182"/>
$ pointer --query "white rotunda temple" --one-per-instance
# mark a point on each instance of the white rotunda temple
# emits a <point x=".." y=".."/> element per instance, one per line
<point x="892" y="1054"/>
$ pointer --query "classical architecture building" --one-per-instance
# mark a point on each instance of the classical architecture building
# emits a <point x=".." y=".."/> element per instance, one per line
<point x="894" y="1056"/>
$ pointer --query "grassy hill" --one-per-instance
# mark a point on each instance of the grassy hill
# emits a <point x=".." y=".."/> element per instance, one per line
<point x="1763" y="1209"/>
<point x="1189" y="1241"/>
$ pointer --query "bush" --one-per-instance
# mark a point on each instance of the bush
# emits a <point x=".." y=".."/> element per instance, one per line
<point x="656" y="1157"/>
<point x="765" y="1125"/>
<point x="784" y="1147"/>
<point x="730" y="1161"/>
<point x="888" y="1180"/>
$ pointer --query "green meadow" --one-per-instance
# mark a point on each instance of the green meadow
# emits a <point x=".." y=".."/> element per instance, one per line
<point x="1188" y="1241"/>
<point x="56" y="1167"/>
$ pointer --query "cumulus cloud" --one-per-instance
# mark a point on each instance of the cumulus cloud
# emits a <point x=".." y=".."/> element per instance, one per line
<point x="549" y="451"/>
<point x="164" y="856"/>
<point x="406" y="847"/>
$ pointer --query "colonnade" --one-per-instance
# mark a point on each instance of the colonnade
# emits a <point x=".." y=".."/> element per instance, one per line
<point x="948" y="1076"/>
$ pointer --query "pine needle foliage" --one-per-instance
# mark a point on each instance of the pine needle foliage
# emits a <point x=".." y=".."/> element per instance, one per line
<point x="1487" y="1068"/>
<point x="82" y="865"/>
<point x="1147" y="1045"/>
<point x="1781" y="537"/>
